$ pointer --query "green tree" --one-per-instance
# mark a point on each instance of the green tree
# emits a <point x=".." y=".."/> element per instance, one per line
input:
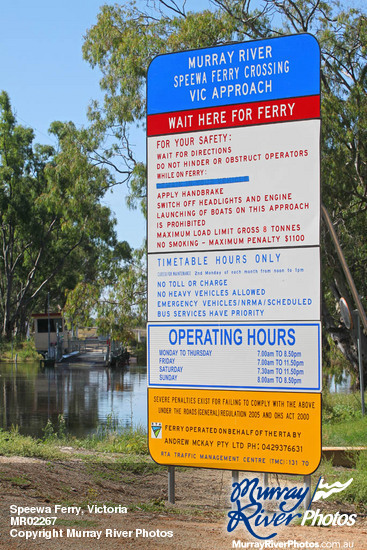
<point x="115" y="305"/>
<point x="54" y="230"/>
<point x="126" y="38"/>
<point x="123" y="305"/>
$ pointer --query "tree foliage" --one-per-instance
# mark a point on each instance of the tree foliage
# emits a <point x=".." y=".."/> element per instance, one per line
<point x="53" y="228"/>
<point x="126" y="38"/>
<point x="115" y="305"/>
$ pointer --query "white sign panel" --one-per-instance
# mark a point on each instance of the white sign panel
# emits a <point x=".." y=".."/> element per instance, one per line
<point x="266" y="356"/>
<point x="247" y="187"/>
<point x="276" y="284"/>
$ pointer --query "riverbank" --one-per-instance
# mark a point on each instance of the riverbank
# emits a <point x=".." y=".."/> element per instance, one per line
<point x="111" y="470"/>
<point x="23" y="351"/>
<point x="128" y="451"/>
<point x="90" y="480"/>
<point x="342" y="426"/>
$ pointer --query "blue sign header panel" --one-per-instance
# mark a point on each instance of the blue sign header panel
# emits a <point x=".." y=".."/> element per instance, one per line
<point x="270" y="69"/>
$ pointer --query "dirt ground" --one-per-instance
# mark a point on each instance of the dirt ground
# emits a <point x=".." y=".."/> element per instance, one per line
<point x="198" y="520"/>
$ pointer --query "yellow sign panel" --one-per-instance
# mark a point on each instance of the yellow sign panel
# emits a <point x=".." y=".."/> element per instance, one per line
<point x="235" y="430"/>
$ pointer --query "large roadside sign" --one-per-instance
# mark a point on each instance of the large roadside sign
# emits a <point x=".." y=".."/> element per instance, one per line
<point x="234" y="333"/>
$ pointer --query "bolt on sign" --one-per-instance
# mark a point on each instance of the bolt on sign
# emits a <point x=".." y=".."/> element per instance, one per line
<point x="234" y="332"/>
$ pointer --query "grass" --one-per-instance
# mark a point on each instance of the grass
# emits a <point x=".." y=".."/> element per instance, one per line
<point x="107" y="439"/>
<point x="337" y="407"/>
<point x="12" y="443"/>
<point x="23" y="351"/>
<point x="342" y="421"/>
<point x="118" y="468"/>
<point x="129" y="442"/>
<point x="17" y="481"/>
<point x="356" y="492"/>
<point x="345" y="434"/>
<point x="101" y="461"/>
<point x="116" y="453"/>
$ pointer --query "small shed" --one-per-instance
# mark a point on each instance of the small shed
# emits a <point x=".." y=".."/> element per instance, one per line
<point x="53" y="322"/>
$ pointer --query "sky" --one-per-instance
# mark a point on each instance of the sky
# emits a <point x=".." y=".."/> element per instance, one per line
<point x="43" y="71"/>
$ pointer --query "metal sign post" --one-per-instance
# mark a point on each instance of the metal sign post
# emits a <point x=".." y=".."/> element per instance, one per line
<point x="351" y="319"/>
<point x="360" y="364"/>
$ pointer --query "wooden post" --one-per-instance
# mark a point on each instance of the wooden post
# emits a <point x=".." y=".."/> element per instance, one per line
<point x="360" y="364"/>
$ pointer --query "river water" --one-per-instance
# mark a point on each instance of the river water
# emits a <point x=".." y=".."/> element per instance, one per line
<point x="88" y="398"/>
